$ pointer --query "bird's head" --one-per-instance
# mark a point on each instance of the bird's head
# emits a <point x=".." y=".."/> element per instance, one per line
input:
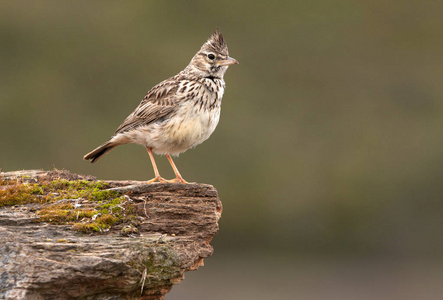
<point x="212" y="60"/>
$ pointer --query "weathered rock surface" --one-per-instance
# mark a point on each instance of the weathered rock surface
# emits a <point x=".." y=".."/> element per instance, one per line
<point x="174" y="225"/>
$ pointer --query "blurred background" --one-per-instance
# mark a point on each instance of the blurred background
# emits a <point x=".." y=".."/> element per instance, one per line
<point x="329" y="154"/>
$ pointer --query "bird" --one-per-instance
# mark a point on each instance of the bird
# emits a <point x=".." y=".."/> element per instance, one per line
<point x="180" y="112"/>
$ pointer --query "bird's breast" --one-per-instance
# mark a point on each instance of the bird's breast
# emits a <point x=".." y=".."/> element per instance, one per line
<point x="194" y="120"/>
<point x="196" y="124"/>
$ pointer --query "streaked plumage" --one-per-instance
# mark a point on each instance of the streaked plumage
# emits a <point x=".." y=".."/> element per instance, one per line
<point x="180" y="112"/>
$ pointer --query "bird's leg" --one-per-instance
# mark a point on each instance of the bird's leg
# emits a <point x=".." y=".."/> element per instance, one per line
<point x="178" y="177"/>
<point x="157" y="174"/>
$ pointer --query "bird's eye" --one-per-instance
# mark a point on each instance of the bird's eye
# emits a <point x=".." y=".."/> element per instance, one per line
<point x="211" y="56"/>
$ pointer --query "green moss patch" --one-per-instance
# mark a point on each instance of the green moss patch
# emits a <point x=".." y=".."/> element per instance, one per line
<point x="160" y="261"/>
<point x="15" y="193"/>
<point x="89" y="206"/>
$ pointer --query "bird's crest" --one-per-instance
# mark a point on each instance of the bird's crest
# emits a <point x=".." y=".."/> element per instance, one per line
<point x="216" y="43"/>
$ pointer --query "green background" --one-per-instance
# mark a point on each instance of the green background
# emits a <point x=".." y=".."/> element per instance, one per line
<point x="328" y="157"/>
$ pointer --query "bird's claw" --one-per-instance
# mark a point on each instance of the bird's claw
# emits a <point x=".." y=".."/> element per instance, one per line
<point x="158" y="178"/>
<point x="178" y="180"/>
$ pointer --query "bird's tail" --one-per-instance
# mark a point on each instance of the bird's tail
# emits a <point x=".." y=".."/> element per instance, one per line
<point x="98" y="152"/>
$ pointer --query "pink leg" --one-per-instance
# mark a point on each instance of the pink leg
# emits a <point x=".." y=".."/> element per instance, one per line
<point x="178" y="177"/>
<point x="154" y="165"/>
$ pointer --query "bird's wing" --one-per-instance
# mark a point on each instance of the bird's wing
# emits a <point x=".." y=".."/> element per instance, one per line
<point x="160" y="101"/>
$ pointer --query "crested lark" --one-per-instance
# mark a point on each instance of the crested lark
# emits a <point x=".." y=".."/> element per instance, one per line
<point x="178" y="113"/>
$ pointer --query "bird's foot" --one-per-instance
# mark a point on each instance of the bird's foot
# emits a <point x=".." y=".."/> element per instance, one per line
<point x="179" y="180"/>
<point x="158" y="178"/>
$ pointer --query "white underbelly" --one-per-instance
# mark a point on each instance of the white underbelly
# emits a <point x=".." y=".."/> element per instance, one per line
<point x="189" y="127"/>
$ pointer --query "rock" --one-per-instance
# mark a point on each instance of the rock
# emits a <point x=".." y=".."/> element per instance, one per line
<point x="158" y="232"/>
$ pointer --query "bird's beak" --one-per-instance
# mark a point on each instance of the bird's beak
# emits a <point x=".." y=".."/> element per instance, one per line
<point x="227" y="62"/>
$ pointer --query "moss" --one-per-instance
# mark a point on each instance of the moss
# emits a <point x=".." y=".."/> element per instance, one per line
<point x="90" y="190"/>
<point x="86" y="228"/>
<point x="106" y="220"/>
<point x="36" y="190"/>
<point x="104" y="211"/>
<point x="102" y="195"/>
<point x="85" y="213"/>
<point x="161" y="262"/>
<point x="16" y="193"/>
<point x="54" y="216"/>
<point x="116" y="210"/>
<point x="100" y="208"/>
